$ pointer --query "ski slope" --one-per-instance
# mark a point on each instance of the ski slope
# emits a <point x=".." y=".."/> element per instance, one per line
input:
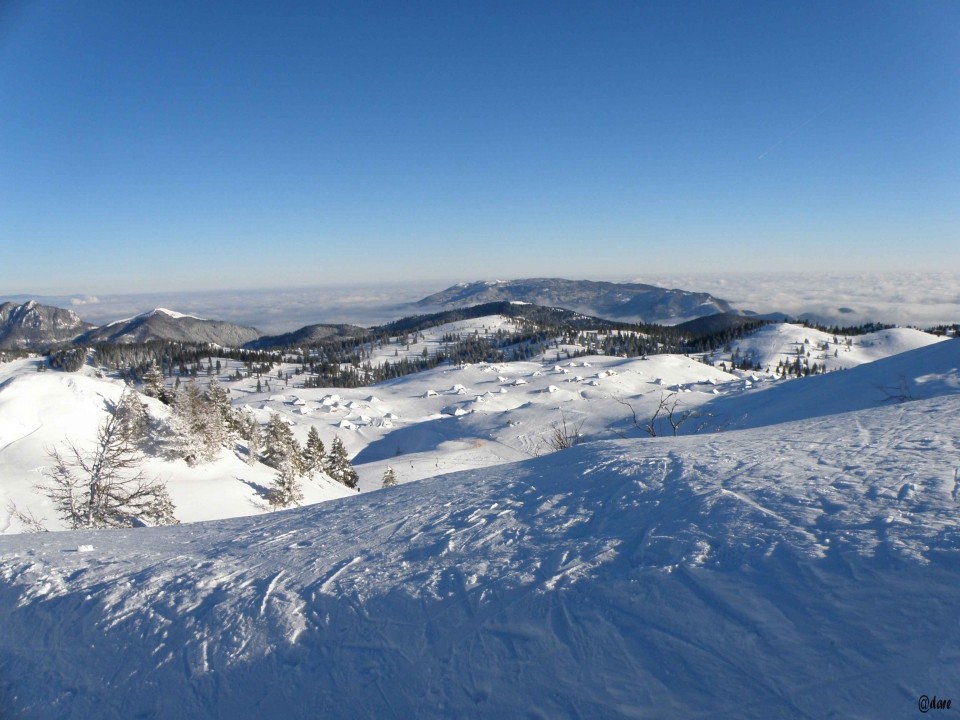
<point x="925" y="372"/>
<point x="808" y="569"/>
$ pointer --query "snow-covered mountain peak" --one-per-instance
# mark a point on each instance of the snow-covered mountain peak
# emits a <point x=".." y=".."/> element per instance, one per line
<point x="170" y="313"/>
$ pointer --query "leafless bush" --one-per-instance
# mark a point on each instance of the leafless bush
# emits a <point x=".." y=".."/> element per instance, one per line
<point x="899" y="393"/>
<point x="668" y="409"/>
<point x="564" y="434"/>
<point x="28" y="518"/>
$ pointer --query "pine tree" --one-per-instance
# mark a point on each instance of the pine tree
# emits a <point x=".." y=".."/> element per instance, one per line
<point x="314" y="453"/>
<point x="338" y="465"/>
<point x="389" y="478"/>
<point x="249" y="430"/>
<point x="219" y="398"/>
<point x="281" y="447"/>
<point x="133" y="417"/>
<point x="153" y="383"/>
<point x="282" y="452"/>
<point x="286" y="489"/>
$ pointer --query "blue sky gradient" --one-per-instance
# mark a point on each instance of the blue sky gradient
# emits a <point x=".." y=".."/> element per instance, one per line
<point x="177" y="145"/>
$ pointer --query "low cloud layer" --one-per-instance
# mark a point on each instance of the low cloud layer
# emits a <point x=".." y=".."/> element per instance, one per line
<point x="922" y="300"/>
<point x="919" y="299"/>
<point x="271" y="311"/>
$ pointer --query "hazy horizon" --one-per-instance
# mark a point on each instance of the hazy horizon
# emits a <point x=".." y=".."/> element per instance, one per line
<point x="916" y="299"/>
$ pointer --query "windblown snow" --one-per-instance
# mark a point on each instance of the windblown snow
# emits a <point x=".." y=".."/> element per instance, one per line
<point x="804" y="561"/>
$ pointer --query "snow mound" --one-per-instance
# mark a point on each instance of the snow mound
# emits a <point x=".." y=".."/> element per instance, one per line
<point x="784" y="342"/>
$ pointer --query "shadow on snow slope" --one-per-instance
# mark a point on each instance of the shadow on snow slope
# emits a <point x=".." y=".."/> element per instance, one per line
<point x="913" y="375"/>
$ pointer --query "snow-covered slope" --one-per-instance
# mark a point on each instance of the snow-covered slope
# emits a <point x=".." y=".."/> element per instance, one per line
<point x="926" y="372"/>
<point x="785" y="342"/>
<point x="804" y="570"/>
<point x="41" y="411"/>
<point x="449" y="418"/>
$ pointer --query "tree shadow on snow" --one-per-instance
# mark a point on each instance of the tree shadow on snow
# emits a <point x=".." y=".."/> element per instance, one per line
<point x="261" y="491"/>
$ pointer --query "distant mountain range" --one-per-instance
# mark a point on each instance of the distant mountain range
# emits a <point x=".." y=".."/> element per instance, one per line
<point x="630" y="302"/>
<point x="31" y="326"/>
<point x="309" y="335"/>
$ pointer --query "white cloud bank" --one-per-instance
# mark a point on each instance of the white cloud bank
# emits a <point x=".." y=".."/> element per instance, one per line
<point x="916" y="299"/>
<point x="921" y="299"/>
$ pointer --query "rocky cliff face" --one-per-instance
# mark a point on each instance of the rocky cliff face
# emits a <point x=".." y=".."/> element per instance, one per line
<point x="33" y="326"/>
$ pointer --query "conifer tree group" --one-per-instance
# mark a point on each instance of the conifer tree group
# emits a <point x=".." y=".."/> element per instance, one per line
<point x="198" y="426"/>
<point x="102" y="488"/>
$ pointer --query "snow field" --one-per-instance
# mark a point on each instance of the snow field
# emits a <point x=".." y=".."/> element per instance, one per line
<point x="781" y="342"/>
<point x="443" y="420"/>
<point x="803" y="565"/>
<point x="778" y="572"/>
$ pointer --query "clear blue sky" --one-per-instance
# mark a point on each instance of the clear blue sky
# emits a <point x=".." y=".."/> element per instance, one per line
<point x="175" y="144"/>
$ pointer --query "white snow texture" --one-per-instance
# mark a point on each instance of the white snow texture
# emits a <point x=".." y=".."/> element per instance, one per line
<point x="804" y="561"/>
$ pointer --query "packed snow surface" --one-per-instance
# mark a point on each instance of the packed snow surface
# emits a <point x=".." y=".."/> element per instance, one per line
<point x="806" y="570"/>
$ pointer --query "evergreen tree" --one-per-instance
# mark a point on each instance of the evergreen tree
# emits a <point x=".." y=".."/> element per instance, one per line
<point x="249" y="430"/>
<point x="219" y="398"/>
<point x="280" y="447"/>
<point x="314" y="453"/>
<point x="338" y="465"/>
<point x="286" y="490"/>
<point x="282" y="452"/>
<point x="389" y="478"/>
<point x="133" y="417"/>
<point x="153" y="383"/>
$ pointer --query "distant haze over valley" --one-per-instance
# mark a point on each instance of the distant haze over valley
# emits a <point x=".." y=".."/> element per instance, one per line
<point x="921" y="299"/>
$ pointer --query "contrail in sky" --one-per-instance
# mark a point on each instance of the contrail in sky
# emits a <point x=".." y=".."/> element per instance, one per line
<point x="800" y="127"/>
